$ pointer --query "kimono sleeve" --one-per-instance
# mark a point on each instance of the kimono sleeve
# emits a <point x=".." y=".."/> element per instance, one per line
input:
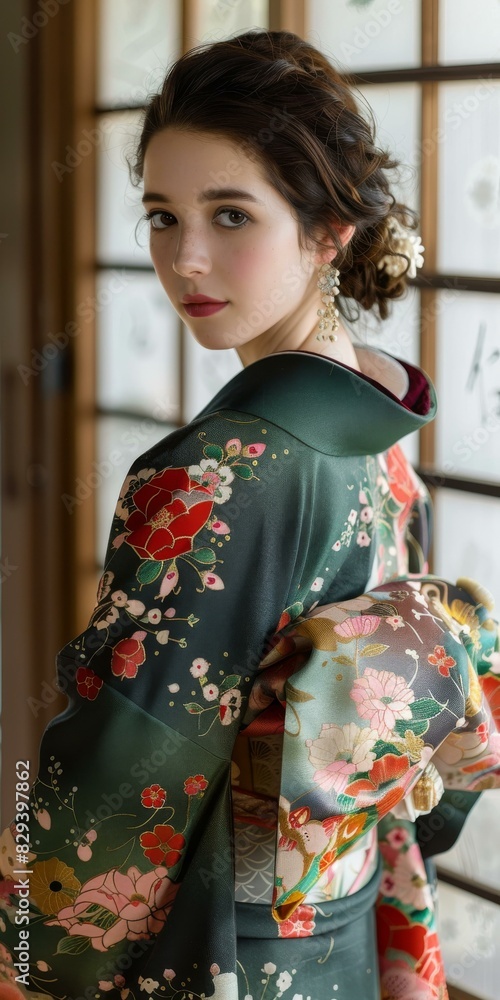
<point x="131" y="861"/>
<point x="374" y="687"/>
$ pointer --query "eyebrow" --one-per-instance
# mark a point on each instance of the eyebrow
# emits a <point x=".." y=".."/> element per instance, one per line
<point x="212" y="194"/>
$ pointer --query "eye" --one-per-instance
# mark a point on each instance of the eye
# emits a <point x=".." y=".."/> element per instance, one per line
<point x="235" y="211"/>
<point x="150" y="216"/>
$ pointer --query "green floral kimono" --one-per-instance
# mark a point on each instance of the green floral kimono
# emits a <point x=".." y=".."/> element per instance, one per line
<point x="265" y="591"/>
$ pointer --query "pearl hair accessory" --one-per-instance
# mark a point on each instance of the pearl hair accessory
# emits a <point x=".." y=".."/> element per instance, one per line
<point x="403" y="242"/>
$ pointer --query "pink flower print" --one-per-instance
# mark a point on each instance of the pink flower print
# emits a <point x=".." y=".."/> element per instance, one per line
<point x="140" y="904"/>
<point x="399" y="982"/>
<point x="196" y="784"/>
<point x="440" y="659"/>
<point x="339" y="752"/>
<point x="212" y="580"/>
<point x="220" y="527"/>
<point x="397" y="837"/>
<point x="366" y="515"/>
<point x="43" y="817"/>
<point x="362" y="539"/>
<point x="300" y="924"/>
<point x="169" y="974"/>
<point x="336" y="546"/>
<point x="411" y="885"/>
<point x="395" y="621"/>
<point x="362" y="497"/>
<point x="253" y="450"/>
<point x="387" y="885"/>
<point x="382" y="698"/>
<point x="358" y="625"/>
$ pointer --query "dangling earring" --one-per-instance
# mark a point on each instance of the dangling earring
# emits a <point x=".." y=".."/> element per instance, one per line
<point x="328" y="282"/>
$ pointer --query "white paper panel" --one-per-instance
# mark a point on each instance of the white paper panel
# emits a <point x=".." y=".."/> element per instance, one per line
<point x="475" y="855"/>
<point x="399" y="334"/>
<point x="469" y="31"/>
<point x="468" y="138"/>
<point x="469" y="932"/>
<point x="119" y="206"/>
<point x="205" y="373"/>
<point x="137" y="41"/>
<point x="467" y="538"/>
<point x="468" y="384"/>
<point x="138" y="346"/>
<point x="366" y="34"/>
<point x="396" y="108"/>
<point x="119" y="442"/>
<point x="223" y="18"/>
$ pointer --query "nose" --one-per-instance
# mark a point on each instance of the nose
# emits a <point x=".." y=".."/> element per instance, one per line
<point x="191" y="254"/>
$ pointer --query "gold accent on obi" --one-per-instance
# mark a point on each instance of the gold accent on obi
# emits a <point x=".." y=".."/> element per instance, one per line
<point x="428" y="789"/>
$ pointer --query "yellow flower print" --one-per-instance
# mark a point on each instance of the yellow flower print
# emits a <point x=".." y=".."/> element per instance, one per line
<point x="53" y="885"/>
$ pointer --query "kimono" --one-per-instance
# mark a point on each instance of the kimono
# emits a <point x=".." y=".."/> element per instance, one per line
<point x="270" y="696"/>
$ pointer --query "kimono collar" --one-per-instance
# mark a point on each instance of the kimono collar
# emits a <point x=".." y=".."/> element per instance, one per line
<point x="329" y="405"/>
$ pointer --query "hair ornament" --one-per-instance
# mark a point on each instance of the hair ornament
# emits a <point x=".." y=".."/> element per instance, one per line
<point x="402" y="242"/>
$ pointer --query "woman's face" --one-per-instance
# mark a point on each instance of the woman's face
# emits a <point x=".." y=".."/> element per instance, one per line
<point x="240" y="248"/>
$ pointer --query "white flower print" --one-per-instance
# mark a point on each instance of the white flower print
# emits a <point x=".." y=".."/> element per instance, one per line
<point x="210" y="474"/>
<point x="210" y="692"/>
<point x="395" y="621"/>
<point x="366" y="515"/>
<point x="340" y="751"/>
<point x="149" y="984"/>
<point x="352" y="517"/>
<point x="284" y="981"/>
<point x="229" y="706"/>
<point x="269" y="968"/>
<point x="336" y="546"/>
<point x="199" y="667"/>
<point x="318" y="583"/>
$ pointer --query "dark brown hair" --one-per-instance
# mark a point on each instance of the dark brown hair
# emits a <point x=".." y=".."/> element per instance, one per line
<point x="282" y="102"/>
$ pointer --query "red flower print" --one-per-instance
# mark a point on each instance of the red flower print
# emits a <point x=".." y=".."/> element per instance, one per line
<point x="395" y="930"/>
<point x="162" y="846"/>
<point x="88" y="684"/>
<point x="128" y="655"/>
<point x="440" y="659"/>
<point x="163" y="526"/>
<point x="153" y="797"/>
<point x="300" y="924"/>
<point x="386" y="772"/>
<point x="196" y="784"/>
<point x="401" y="483"/>
<point x="491" y="689"/>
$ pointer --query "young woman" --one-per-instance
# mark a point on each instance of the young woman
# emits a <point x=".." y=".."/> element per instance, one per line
<point x="203" y="825"/>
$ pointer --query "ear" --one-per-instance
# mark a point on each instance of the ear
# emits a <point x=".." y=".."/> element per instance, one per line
<point x="345" y="233"/>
